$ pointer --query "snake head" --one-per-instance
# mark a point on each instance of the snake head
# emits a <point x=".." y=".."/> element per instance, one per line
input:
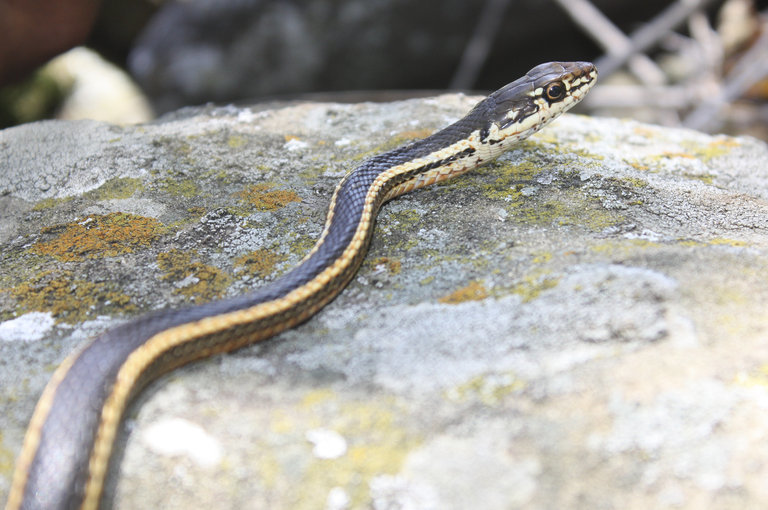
<point x="546" y="91"/>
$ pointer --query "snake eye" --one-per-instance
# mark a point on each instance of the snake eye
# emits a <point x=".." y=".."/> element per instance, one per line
<point x="555" y="91"/>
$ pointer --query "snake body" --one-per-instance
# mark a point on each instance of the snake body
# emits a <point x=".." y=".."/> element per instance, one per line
<point x="69" y="441"/>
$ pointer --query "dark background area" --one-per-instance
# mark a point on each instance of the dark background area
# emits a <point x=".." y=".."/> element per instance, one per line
<point x="244" y="51"/>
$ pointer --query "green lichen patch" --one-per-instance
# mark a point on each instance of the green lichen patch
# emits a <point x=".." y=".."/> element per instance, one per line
<point x="301" y="244"/>
<point x="197" y="211"/>
<point x="69" y="299"/>
<point x="405" y="218"/>
<point x="260" y="262"/>
<point x="263" y="198"/>
<point x="627" y="182"/>
<point x="35" y="98"/>
<point x="473" y="291"/>
<point x="98" y="236"/>
<point x="117" y="188"/>
<point x="177" y="187"/>
<point x="705" y="178"/>
<point x="310" y="173"/>
<point x="398" y="221"/>
<point x="50" y="203"/>
<point x="174" y="144"/>
<point x="570" y="207"/>
<point x="427" y="280"/>
<point x="510" y="179"/>
<point x="195" y="280"/>
<point x="533" y="284"/>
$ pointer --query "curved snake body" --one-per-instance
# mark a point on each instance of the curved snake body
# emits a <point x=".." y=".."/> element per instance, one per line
<point x="69" y="440"/>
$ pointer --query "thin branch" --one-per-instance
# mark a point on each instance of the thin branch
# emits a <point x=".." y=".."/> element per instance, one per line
<point x="650" y="33"/>
<point x="611" y="39"/>
<point x="751" y="68"/>
<point x="641" y="96"/>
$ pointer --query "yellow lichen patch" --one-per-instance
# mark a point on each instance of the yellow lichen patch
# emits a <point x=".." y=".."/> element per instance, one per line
<point x="716" y="148"/>
<point x="196" y="211"/>
<point x="260" y="262"/>
<point x="262" y="198"/>
<point x="123" y="187"/>
<point x="757" y="377"/>
<point x="507" y="185"/>
<point x="7" y="458"/>
<point x="532" y="285"/>
<point x="193" y="279"/>
<point x="50" y="203"/>
<point x="490" y="389"/>
<point x="619" y="248"/>
<point x="634" y="182"/>
<point x="570" y="208"/>
<point x="645" y="132"/>
<point x="178" y="187"/>
<point x="67" y="298"/>
<point x="98" y="236"/>
<point x="705" y="178"/>
<point x="718" y="241"/>
<point x="724" y="295"/>
<point x="474" y="291"/>
<point x="235" y="141"/>
<point x="721" y="241"/>
<point x="376" y="444"/>
<point x="673" y="155"/>
<point x="392" y="265"/>
<point x="638" y="166"/>
<point x="413" y="134"/>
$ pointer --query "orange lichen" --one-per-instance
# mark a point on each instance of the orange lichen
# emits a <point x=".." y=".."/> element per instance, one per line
<point x="671" y="155"/>
<point x="260" y="197"/>
<point x="392" y="265"/>
<point x="474" y="291"/>
<point x="98" y="236"/>
<point x="195" y="280"/>
<point x="414" y="134"/>
<point x="260" y="262"/>
<point x="68" y="299"/>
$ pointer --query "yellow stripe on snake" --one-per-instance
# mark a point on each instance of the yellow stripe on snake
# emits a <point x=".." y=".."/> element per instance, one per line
<point x="69" y="441"/>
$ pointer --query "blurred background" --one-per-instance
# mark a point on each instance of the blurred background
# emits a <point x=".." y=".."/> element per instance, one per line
<point x="695" y="63"/>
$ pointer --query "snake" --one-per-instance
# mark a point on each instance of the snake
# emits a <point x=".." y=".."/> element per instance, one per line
<point x="66" y="452"/>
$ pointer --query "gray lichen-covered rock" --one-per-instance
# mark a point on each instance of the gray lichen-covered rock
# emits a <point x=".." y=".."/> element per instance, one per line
<point x="581" y="324"/>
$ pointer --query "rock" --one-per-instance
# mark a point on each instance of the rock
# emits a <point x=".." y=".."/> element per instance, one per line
<point x="579" y="325"/>
<point x="99" y="90"/>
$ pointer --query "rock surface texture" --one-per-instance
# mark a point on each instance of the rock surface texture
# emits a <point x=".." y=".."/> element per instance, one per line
<point x="581" y="324"/>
